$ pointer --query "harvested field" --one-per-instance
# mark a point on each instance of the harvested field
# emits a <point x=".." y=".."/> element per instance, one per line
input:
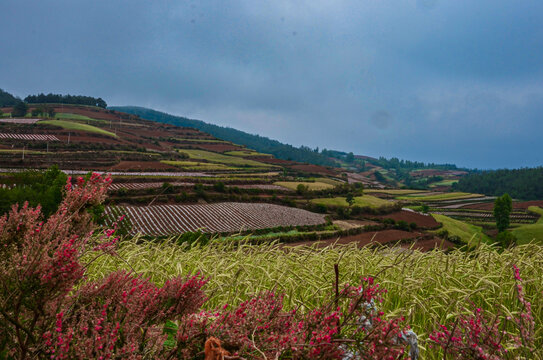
<point x="313" y="186"/>
<point x="212" y="218"/>
<point x="19" y="121"/>
<point x="29" y="137"/>
<point x="142" y="165"/>
<point x="149" y="185"/>
<point x="381" y="237"/>
<point x="422" y="221"/>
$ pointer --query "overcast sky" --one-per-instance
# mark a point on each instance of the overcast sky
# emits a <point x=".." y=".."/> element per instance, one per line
<point x="448" y="81"/>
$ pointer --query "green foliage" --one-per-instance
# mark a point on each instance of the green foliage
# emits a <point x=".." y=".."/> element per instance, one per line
<point x="36" y="187"/>
<point x="20" y="109"/>
<point x="302" y="189"/>
<point x="6" y="99"/>
<point x="425" y="208"/>
<point x="219" y="186"/>
<point x="503" y="206"/>
<point x="506" y="239"/>
<point x="65" y="99"/>
<point x="349" y="199"/>
<point x="192" y="237"/>
<point x="522" y="184"/>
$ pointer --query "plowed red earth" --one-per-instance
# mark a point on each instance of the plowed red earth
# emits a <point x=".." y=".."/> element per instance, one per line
<point x="516" y="205"/>
<point x="423" y="221"/>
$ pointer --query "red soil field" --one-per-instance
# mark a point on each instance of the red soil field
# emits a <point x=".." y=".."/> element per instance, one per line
<point x="516" y="205"/>
<point x="422" y="221"/>
<point x="381" y="237"/>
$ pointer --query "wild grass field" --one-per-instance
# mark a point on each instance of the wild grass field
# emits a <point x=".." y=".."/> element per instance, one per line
<point x="426" y="288"/>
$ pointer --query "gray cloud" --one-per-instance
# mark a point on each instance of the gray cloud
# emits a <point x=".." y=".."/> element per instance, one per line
<point x="460" y="77"/>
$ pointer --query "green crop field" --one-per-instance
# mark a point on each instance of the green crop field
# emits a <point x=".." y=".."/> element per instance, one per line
<point x="222" y="159"/>
<point x="533" y="232"/>
<point x="439" y="197"/>
<point x="68" y="116"/>
<point x="293" y="185"/>
<point x="193" y="165"/>
<point x="247" y="153"/>
<point x="394" y="191"/>
<point x="444" y="183"/>
<point x="67" y="125"/>
<point x="366" y="200"/>
<point x="468" y="233"/>
<point x="427" y="288"/>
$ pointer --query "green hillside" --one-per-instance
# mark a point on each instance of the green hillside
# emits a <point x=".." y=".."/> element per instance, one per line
<point x="256" y="142"/>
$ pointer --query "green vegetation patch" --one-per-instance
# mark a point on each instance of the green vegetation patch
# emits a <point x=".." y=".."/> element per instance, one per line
<point x="68" y="125"/>
<point x="394" y="191"/>
<point x="362" y="201"/>
<point x="468" y="233"/>
<point x="70" y="116"/>
<point x="528" y="233"/>
<point x="193" y="165"/>
<point x="222" y="159"/>
<point x="293" y="185"/>
<point x="214" y="141"/>
<point x="444" y="183"/>
<point x="438" y="197"/>
<point x="246" y="153"/>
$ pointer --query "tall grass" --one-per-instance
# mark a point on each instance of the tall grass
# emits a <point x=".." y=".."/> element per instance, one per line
<point x="427" y="288"/>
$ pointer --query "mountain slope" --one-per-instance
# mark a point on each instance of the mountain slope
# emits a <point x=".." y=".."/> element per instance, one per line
<point x="256" y="142"/>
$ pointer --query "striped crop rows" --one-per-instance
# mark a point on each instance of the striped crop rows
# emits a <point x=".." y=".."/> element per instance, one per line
<point x="210" y="218"/>
<point x="149" y="185"/>
<point x="19" y="121"/>
<point x="31" y="137"/>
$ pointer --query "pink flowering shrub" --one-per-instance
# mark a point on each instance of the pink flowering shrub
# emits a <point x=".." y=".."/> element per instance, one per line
<point x="483" y="337"/>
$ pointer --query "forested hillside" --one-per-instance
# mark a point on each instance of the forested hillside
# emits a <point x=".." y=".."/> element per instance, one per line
<point x="524" y="184"/>
<point x="6" y="99"/>
<point x="256" y="142"/>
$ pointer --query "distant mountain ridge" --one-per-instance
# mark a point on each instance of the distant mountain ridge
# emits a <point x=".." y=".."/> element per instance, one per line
<point x="256" y="142"/>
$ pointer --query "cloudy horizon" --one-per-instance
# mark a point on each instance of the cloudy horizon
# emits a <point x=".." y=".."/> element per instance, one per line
<point x="438" y="81"/>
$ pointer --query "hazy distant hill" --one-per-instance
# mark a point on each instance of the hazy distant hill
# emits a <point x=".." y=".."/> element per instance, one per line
<point x="256" y="142"/>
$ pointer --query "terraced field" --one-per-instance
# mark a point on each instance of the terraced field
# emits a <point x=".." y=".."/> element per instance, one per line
<point x="214" y="157"/>
<point x="68" y="125"/>
<point x="29" y="137"/>
<point x="211" y="218"/>
<point x="366" y="200"/>
<point x="313" y="186"/>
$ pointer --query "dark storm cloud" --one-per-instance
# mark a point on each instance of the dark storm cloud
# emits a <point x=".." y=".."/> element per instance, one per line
<point x="430" y="80"/>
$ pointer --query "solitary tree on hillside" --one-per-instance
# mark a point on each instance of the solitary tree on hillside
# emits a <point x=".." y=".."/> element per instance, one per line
<point x="350" y="199"/>
<point x="20" y="109"/>
<point x="502" y="208"/>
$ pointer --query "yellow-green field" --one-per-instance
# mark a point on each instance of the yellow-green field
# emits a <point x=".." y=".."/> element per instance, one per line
<point x="366" y="200"/>
<point x="427" y="288"/>
<point x="439" y="197"/>
<point x="247" y="153"/>
<point x="468" y="233"/>
<point x="394" y="191"/>
<point x="193" y="165"/>
<point x="69" y="116"/>
<point x="532" y="232"/>
<point x="222" y="159"/>
<point x="68" y="125"/>
<point x="313" y="186"/>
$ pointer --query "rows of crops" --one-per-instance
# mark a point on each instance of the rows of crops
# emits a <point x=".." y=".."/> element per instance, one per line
<point x="212" y="218"/>
<point x="30" y="137"/>
<point x="155" y="185"/>
<point x="19" y="121"/>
